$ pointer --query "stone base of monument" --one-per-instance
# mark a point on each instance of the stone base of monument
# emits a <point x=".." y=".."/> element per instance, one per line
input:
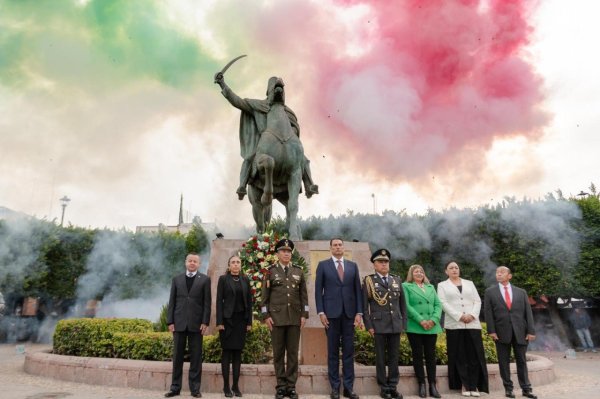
<point x="255" y="379"/>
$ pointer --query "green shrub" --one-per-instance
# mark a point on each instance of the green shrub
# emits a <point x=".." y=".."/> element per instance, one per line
<point x="135" y="339"/>
<point x="364" y="352"/>
<point x="143" y="346"/>
<point x="161" y="324"/>
<point x="94" y="337"/>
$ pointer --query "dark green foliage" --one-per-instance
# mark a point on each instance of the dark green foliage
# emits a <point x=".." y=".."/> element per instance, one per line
<point x="94" y="337"/>
<point x="143" y="346"/>
<point x="135" y="339"/>
<point x="196" y="240"/>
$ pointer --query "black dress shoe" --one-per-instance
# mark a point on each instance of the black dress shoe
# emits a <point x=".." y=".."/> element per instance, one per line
<point x="280" y="394"/>
<point x="291" y="393"/>
<point x="509" y="393"/>
<point x="334" y="395"/>
<point x="237" y="392"/>
<point x="196" y="395"/>
<point x="170" y="394"/>
<point x="433" y="392"/>
<point x="228" y="393"/>
<point x="350" y="394"/>
<point x="529" y="394"/>
<point x="422" y="391"/>
<point x="385" y="394"/>
<point x="395" y="394"/>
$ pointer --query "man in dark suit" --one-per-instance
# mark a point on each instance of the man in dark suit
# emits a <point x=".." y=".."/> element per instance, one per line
<point x="188" y="315"/>
<point x="339" y="304"/>
<point x="385" y="318"/>
<point x="510" y="324"/>
<point x="284" y="307"/>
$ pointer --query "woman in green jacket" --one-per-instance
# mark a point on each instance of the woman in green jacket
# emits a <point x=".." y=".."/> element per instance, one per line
<point x="424" y="311"/>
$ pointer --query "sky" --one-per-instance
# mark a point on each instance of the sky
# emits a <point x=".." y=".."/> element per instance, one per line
<point x="402" y="105"/>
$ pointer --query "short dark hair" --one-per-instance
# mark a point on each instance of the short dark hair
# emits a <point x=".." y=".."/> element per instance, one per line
<point x="334" y="239"/>
<point x="193" y="253"/>
<point x="448" y="264"/>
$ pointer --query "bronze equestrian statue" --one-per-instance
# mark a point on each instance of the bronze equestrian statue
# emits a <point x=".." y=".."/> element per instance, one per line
<point x="274" y="163"/>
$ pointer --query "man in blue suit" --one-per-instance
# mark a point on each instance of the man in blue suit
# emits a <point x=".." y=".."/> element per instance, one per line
<point x="338" y="296"/>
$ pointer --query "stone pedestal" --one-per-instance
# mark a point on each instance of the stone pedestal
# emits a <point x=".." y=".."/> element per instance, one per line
<point x="313" y="343"/>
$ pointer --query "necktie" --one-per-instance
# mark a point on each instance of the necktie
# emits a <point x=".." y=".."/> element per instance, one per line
<point x="507" y="298"/>
<point x="340" y="270"/>
<point x="285" y="270"/>
<point x="385" y="280"/>
<point x="190" y="274"/>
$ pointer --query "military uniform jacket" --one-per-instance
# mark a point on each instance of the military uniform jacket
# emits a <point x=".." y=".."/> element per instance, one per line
<point x="385" y="307"/>
<point x="284" y="297"/>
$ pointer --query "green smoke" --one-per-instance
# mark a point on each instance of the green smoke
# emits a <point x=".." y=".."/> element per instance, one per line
<point x="97" y="43"/>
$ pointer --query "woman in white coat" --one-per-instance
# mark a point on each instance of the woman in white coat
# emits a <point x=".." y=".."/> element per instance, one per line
<point x="466" y="358"/>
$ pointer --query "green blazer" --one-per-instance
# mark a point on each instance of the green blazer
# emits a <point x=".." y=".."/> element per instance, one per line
<point x="422" y="306"/>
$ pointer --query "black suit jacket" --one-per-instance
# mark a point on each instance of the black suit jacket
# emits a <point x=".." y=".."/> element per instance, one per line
<point x="226" y="298"/>
<point x="502" y="321"/>
<point x="188" y="310"/>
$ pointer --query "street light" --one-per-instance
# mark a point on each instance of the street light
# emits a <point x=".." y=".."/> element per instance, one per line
<point x="374" y="203"/>
<point x="64" y="201"/>
<point x="582" y="194"/>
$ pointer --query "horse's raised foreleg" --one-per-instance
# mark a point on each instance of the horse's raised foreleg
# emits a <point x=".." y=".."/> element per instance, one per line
<point x="292" y="204"/>
<point x="266" y="164"/>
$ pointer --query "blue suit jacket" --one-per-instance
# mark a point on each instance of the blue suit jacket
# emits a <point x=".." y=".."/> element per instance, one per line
<point x="333" y="295"/>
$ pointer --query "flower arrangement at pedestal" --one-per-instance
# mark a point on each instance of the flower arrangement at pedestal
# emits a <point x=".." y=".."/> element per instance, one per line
<point x="257" y="254"/>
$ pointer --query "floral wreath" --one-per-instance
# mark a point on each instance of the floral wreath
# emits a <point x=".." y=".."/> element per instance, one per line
<point x="257" y="254"/>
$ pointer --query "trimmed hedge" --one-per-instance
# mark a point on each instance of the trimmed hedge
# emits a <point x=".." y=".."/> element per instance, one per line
<point x="94" y="337"/>
<point x="364" y="349"/>
<point x="135" y="339"/>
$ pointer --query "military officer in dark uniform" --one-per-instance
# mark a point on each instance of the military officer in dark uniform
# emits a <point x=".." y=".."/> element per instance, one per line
<point x="284" y="307"/>
<point x="385" y="319"/>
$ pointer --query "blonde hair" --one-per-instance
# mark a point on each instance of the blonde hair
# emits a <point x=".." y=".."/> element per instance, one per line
<point x="409" y="276"/>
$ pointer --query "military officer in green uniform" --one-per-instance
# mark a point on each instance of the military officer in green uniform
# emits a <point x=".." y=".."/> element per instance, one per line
<point x="284" y="307"/>
<point x="385" y="319"/>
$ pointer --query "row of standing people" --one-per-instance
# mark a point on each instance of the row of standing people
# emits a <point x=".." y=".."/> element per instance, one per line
<point x="387" y="306"/>
<point x="390" y="307"/>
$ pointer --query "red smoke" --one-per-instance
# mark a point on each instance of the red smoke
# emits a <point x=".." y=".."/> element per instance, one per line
<point x="440" y="78"/>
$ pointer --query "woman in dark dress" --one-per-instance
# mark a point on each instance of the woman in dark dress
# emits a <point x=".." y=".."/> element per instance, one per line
<point x="234" y="318"/>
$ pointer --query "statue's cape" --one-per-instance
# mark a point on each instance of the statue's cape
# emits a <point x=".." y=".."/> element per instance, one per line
<point x="252" y="124"/>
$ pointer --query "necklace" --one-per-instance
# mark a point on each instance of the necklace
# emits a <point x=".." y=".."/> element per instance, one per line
<point x="236" y="278"/>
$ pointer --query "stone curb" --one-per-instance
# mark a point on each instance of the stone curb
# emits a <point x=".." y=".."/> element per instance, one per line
<point x="255" y="379"/>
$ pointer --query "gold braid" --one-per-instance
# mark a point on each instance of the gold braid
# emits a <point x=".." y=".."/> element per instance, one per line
<point x="373" y="294"/>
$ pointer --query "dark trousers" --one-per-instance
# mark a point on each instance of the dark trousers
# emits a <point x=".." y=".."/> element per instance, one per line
<point x="285" y="341"/>
<point x="520" y="351"/>
<point x="194" y="342"/>
<point x="386" y="354"/>
<point x="341" y="330"/>
<point x="235" y="358"/>
<point x="423" y="344"/>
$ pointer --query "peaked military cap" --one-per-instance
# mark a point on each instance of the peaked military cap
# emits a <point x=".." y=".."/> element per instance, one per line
<point x="284" y="244"/>
<point x="381" y="254"/>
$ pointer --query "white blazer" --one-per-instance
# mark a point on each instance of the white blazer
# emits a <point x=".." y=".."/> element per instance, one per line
<point x="455" y="304"/>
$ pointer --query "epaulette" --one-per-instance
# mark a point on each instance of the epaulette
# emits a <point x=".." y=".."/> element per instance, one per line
<point x="271" y="266"/>
<point x="299" y="267"/>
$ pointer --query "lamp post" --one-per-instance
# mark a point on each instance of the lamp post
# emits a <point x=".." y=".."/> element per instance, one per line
<point x="374" y="203"/>
<point x="64" y="201"/>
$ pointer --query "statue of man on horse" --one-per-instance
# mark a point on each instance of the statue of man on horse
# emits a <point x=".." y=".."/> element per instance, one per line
<point x="274" y="163"/>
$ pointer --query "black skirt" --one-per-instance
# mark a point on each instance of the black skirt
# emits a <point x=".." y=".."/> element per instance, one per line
<point x="466" y="359"/>
<point x="233" y="337"/>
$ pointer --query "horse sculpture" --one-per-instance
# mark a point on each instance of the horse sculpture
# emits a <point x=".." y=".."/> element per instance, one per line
<point x="274" y="163"/>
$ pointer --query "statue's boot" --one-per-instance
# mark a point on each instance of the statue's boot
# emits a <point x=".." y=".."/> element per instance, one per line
<point x="241" y="192"/>
<point x="311" y="189"/>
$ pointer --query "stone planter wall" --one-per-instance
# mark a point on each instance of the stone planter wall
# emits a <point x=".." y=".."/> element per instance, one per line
<point x="255" y="379"/>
